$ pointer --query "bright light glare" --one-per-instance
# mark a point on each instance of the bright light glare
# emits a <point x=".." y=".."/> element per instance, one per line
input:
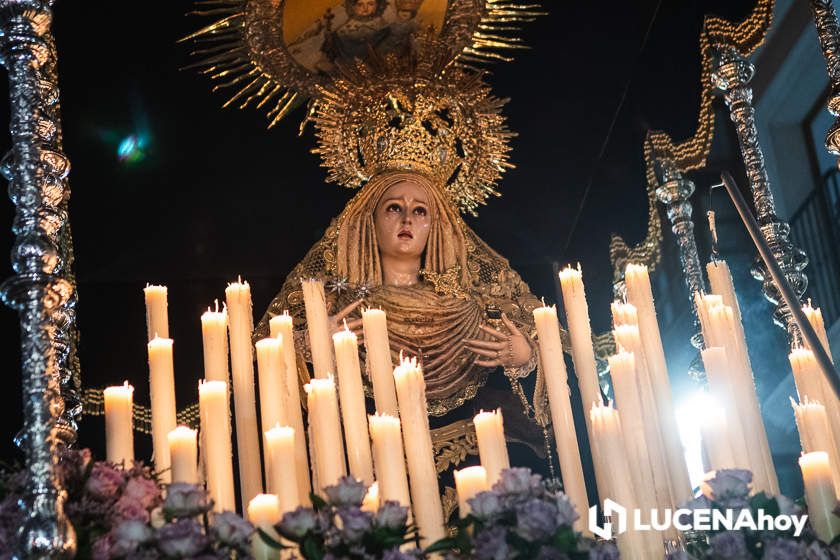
<point x="690" y="414"/>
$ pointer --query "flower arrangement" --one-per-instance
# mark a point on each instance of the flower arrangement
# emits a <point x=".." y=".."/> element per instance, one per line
<point x="520" y="518"/>
<point x="338" y="528"/>
<point x="729" y="489"/>
<point x="120" y="512"/>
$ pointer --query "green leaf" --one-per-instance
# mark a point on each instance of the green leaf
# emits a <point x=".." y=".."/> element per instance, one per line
<point x="312" y="550"/>
<point x="442" y="545"/>
<point x="318" y="503"/>
<point x="269" y="540"/>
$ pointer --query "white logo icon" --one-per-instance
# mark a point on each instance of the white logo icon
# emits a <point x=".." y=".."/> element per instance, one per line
<point x="616" y="512"/>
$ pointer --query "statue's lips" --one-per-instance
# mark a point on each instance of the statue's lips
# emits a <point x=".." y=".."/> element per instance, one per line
<point x="405" y="234"/>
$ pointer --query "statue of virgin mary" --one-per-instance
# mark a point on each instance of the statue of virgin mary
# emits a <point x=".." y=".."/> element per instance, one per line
<point x="423" y="143"/>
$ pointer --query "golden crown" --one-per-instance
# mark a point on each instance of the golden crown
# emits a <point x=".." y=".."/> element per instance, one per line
<point x="420" y="114"/>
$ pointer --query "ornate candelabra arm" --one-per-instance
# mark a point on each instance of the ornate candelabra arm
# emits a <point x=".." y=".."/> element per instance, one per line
<point x="731" y="73"/>
<point x="828" y="32"/>
<point x="35" y="291"/>
<point x="675" y="192"/>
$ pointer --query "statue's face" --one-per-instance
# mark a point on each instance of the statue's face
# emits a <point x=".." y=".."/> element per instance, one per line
<point x="364" y="8"/>
<point x="402" y="219"/>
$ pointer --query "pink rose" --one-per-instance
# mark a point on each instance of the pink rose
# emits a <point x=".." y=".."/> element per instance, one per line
<point x="143" y="490"/>
<point x="127" y="508"/>
<point x="104" y="481"/>
<point x="101" y="549"/>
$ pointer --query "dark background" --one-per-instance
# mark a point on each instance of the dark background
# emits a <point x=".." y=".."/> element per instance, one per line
<point x="216" y="195"/>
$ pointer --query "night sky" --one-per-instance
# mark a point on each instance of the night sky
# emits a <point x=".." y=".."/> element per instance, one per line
<point x="216" y="195"/>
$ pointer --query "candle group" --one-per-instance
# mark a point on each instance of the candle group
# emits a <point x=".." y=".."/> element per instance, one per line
<point x="556" y="380"/>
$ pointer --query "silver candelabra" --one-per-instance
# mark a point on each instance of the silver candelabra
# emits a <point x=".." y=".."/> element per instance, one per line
<point x="731" y="73"/>
<point x="40" y="289"/>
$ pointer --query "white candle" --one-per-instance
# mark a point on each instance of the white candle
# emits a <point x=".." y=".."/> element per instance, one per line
<point x="639" y="294"/>
<point x="492" y="447"/>
<point x="610" y="443"/>
<point x="162" y="390"/>
<point x="469" y="482"/>
<point x="214" y="411"/>
<point x="645" y="415"/>
<point x="264" y="512"/>
<point x="720" y="329"/>
<point x="282" y="327"/>
<point x="352" y="398"/>
<point x="389" y="459"/>
<point x="814" y="316"/>
<point x="240" y="327"/>
<point x="183" y="449"/>
<point x="371" y="501"/>
<point x="721" y="389"/>
<point x="820" y="495"/>
<point x="556" y="381"/>
<point x="807" y="375"/>
<point x="318" y="326"/>
<point x="378" y="359"/>
<point x="714" y="431"/>
<point x="815" y="434"/>
<point x="215" y="344"/>
<point x="282" y="470"/>
<point x="414" y="414"/>
<point x="157" y="314"/>
<point x="271" y="371"/>
<point x="325" y="431"/>
<point x="119" y="433"/>
<point x="625" y="386"/>
<point x="624" y="313"/>
<point x="580" y="333"/>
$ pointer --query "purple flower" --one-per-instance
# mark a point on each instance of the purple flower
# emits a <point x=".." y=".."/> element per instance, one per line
<point x="730" y="487"/>
<point x="397" y="554"/>
<point x="566" y="512"/>
<point x="491" y="544"/>
<point x="817" y="552"/>
<point x="551" y="553"/>
<point x="391" y="515"/>
<point x="787" y="506"/>
<point x="128" y="536"/>
<point x="348" y="492"/>
<point x="728" y="545"/>
<point x="536" y="519"/>
<point x="181" y="538"/>
<point x="485" y="505"/>
<point x="101" y="549"/>
<point x="104" y="481"/>
<point x="185" y="500"/>
<point x="143" y="490"/>
<point x="604" y="551"/>
<point x="73" y="465"/>
<point x="127" y="508"/>
<point x="518" y="480"/>
<point x="700" y="502"/>
<point x="354" y="523"/>
<point x="783" y="549"/>
<point x="231" y="529"/>
<point x="295" y="524"/>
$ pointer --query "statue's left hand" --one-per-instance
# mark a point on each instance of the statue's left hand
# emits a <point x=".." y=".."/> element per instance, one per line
<point x="507" y="349"/>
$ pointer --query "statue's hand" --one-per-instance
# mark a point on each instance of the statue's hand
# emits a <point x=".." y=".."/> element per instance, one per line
<point x="509" y="349"/>
<point x="337" y="322"/>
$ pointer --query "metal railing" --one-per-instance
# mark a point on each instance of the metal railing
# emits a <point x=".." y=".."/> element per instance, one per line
<point x="816" y="228"/>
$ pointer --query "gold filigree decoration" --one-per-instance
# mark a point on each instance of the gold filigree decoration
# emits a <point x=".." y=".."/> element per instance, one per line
<point x="244" y="51"/>
<point x="453" y="443"/>
<point x="419" y="114"/>
<point x="446" y="284"/>
<point x="692" y="153"/>
<point x="449" y="502"/>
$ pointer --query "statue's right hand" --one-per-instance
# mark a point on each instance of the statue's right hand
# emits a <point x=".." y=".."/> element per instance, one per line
<point x="337" y="321"/>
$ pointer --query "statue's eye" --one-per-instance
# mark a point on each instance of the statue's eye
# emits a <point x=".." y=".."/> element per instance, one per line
<point x="394" y="207"/>
<point x="420" y="211"/>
